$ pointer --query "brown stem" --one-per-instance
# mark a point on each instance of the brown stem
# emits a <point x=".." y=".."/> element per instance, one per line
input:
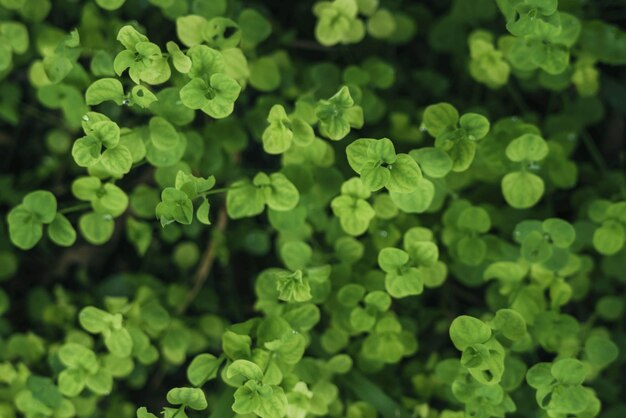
<point x="206" y="263"/>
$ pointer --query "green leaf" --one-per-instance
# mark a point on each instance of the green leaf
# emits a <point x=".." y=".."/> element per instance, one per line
<point x="354" y="214"/>
<point x="139" y="234"/>
<point x="142" y="96"/>
<point x="296" y="255"/>
<point x="215" y="98"/>
<point x="119" y="342"/>
<point x="94" y="320"/>
<point x="466" y="331"/>
<point x="78" y="356"/>
<point x="6" y="59"/>
<point x="600" y="351"/>
<point x="111" y="200"/>
<point x="117" y="161"/>
<point x="293" y="287"/>
<point x="25" y="230"/>
<point x="107" y="132"/>
<point x="71" y="382"/>
<point x="205" y="62"/>
<point x="610" y="308"/>
<point x="86" y="188"/>
<point x="476" y="126"/>
<point x="422" y="251"/>
<point x="392" y="259"/>
<point x="406" y="283"/>
<point x="175" y="206"/>
<point x="381" y="24"/>
<point x="569" y="399"/>
<point x="244" y="200"/>
<point x="189" y="29"/>
<point x="202" y="369"/>
<point x="223" y="92"/>
<point x="61" y="231"/>
<point x="44" y="390"/>
<point x="539" y="375"/>
<point x="194" y="94"/>
<point x="96" y="228"/>
<point x="462" y="153"/>
<point x="181" y="62"/>
<point x="474" y="218"/>
<point x="86" y="151"/>
<point x="471" y="250"/>
<point x="236" y="346"/>
<point x="162" y="134"/>
<point x="353" y="211"/>
<point x="434" y="162"/>
<point x="246" y="400"/>
<point x="569" y="371"/>
<point x="100" y="383"/>
<point x="102" y="64"/>
<point x="358" y="155"/>
<point x="255" y="28"/>
<point x="143" y="413"/>
<point x="16" y="35"/>
<point x="338" y="23"/>
<point x="273" y="407"/>
<point x="110" y="4"/>
<point x="570" y="30"/>
<point x="240" y="371"/>
<point x="379" y="166"/>
<point x="551" y="58"/>
<point x="561" y="232"/>
<point x="522" y="190"/>
<point x="277" y="137"/>
<point x="440" y="117"/>
<point x="417" y="201"/>
<point x="57" y="67"/>
<point x="528" y="147"/>
<point x="192" y="397"/>
<point x="405" y="175"/>
<point x="382" y="150"/>
<point x="375" y="177"/>
<point x="202" y="213"/>
<point x="265" y="74"/>
<point x="42" y="204"/>
<point x="609" y="238"/>
<point x="103" y="90"/>
<point x="303" y="134"/>
<point x="221" y="32"/>
<point x="281" y="194"/>
<point x="338" y="114"/>
<point x="510" y="323"/>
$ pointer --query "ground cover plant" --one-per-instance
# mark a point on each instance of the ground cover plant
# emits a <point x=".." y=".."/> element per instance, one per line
<point x="346" y="208"/>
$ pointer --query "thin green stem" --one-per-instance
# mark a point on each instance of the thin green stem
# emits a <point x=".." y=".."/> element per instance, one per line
<point x="75" y="208"/>
<point x="595" y="153"/>
<point x="368" y="391"/>
<point x="269" y="361"/>
<point x="518" y="98"/>
<point x="216" y="191"/>
<point x="220" y="190"/>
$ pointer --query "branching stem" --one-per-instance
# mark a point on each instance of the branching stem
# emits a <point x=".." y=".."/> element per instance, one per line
<point x="75" y="208"/>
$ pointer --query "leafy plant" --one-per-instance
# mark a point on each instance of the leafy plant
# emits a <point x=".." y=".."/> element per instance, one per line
<point x="344" y="208"/>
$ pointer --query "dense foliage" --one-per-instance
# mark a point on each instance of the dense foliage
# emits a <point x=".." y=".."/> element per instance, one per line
<point x="346" y="208"/>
